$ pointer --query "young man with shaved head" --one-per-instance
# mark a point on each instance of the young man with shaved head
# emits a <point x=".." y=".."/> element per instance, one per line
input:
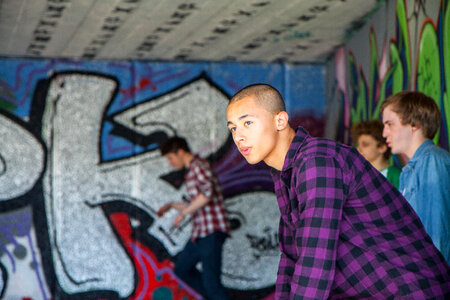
<point x="345" y="230"/>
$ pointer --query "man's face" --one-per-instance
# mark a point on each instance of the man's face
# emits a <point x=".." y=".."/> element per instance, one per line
<point x="369" y="148"/>
<point x="175" y="159"/>
<point x="253" y="130"/>
<point x="398" y="136"/>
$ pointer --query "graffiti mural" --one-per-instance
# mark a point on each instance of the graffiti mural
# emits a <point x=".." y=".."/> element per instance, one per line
<point x="22" y="267"/>
<point x="82" y="177"/>
<point x="414" y="56"/>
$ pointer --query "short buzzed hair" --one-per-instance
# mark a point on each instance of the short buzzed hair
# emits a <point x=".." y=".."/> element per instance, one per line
<point x="415" y="109"/>
<point x="266" y="95"/>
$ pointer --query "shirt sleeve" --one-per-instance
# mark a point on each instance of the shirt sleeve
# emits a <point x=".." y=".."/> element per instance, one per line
<point x="204" y="178"/>
<point x="320" y="196"/>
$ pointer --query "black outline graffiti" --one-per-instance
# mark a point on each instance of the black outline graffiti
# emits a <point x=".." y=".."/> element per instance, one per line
<point x="139" y="139"/>
<point x="36" y="196"/>
<point x="3" y="166"/>
<point x="4" y="273"/>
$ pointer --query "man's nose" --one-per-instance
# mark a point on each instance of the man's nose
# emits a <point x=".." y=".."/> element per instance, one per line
<point x="238" y="136"/>
<point x="384" y="132"/>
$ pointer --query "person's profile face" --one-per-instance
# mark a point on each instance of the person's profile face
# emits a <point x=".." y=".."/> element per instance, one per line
<point x="369" y="148"/>
<point x="398" y="136"/>
<point x="253" y="129"/>
<point x="175" y="160"/>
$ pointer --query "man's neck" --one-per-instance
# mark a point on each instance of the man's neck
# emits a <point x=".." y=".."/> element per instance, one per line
<point x="278" y="156"/>
<point x="187" y="157"/>
<point x="380" y="163"/>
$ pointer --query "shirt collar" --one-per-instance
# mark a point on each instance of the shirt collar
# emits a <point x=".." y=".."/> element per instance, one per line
<point x="300" y="136"/>
<point x="194" y="158"/>
<point x="422" y="148"/>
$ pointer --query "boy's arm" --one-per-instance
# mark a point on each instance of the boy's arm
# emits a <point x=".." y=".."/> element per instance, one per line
<point x="199" y="201"/>
<point x="204" y="181"/>
<point x="166" y="207"/>
<point x="185" y="209"/>
<point x="320" y="196"/>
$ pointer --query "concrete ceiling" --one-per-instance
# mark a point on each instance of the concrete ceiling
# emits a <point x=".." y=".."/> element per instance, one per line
<point x="292" y="31"/>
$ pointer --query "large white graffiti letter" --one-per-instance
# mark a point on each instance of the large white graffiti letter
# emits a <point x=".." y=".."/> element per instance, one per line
<point x="86" y="253"/>
<point x="21" y="159"/>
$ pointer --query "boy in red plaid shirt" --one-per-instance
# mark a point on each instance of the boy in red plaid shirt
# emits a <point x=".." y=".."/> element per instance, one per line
<point x="209" y="222"/>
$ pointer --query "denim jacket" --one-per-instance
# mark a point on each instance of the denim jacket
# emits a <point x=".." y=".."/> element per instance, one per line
<point x="425" y="183"/>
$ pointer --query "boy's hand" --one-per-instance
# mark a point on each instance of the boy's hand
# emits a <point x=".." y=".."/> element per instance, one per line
<point x="178" y="220"/>
<point x="163" y="209"/>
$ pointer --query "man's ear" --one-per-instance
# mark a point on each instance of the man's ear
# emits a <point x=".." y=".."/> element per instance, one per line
<point x="415" y="128"/>
<point x="282" y="120"/>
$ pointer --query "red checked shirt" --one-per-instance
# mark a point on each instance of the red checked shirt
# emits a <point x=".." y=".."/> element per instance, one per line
<point x="200" y="178"/>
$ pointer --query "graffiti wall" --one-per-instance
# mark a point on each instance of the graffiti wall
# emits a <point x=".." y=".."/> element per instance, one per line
<point x="81" y="176"/>
<point x="404" y="46"/>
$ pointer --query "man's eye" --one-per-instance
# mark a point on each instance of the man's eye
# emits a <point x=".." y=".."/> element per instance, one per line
<point x="232" y="129"/>
<point x="248" y="123"/>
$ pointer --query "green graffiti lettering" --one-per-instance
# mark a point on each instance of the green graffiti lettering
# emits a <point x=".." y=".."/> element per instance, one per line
<point x="428" y="78"/>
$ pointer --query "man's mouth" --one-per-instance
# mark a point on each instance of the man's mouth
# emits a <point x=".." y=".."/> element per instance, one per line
<point x="245" y="150"/>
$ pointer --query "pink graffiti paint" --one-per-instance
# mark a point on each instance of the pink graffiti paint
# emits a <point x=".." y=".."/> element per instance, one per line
<point x="151" y="273"/>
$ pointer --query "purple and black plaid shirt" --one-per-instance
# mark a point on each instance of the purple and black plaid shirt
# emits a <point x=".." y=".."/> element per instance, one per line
<point x="346" y="232"/>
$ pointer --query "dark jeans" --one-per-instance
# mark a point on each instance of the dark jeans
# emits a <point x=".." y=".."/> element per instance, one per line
<point x="208" y="250"/>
